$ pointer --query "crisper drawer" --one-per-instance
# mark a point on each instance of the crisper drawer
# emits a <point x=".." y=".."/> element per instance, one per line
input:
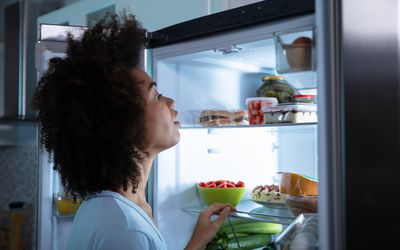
<point x="302" y="233"/>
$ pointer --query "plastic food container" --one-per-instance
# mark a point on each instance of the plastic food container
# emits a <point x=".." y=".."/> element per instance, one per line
<point x="66" y="205"/>
<point x="298" y="56"/>
<point x="220" y="117"/>
<point x="255" y="106"/>
<point x="304" y="98"/>
<point x="291" y="113"/>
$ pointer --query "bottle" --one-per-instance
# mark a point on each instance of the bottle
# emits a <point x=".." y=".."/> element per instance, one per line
<point x="276" y="86"/>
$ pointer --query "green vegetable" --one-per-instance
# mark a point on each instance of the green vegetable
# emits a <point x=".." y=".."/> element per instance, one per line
<point x="213" y="246"/>
<point x="232" y="235"/>
<point x="255" y="227"/>
<point x="249" y="242"/>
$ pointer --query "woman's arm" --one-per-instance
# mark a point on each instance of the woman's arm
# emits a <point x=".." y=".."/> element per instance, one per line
<point x="206" y="228"/>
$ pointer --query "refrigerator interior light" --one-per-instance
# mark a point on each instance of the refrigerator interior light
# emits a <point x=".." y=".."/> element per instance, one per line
<point x="231" y="64"/>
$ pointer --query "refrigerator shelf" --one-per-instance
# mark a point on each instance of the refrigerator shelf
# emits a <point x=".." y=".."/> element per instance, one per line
<point x="252" y="126"/>
<point x="252" y="211"/>
<point x="63" y="216"/>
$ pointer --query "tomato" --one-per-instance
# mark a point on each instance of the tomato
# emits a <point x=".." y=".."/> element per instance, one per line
<point x="240" y="184"/>
<point x="210" y="182"/>
<point x="202" y="184"/>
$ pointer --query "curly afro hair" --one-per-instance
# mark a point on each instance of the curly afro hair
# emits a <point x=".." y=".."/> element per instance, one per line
<point x="91" y="108"/>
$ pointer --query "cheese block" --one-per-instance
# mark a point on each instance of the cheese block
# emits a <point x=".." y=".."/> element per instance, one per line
<point x="295" y="184"/>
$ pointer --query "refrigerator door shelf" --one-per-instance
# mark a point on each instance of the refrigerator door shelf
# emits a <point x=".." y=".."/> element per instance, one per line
<point x="250" y="210"/>
<point x="270" y="125"/>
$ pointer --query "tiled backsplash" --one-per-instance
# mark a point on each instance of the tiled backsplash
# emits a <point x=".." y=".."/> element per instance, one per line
<point x="19" y="177"/>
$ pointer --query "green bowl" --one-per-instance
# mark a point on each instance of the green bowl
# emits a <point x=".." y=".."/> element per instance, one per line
<point x="221" y="195"/>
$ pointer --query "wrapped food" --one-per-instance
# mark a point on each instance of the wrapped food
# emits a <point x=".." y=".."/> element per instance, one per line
<point x="221" y="117"/>
<point x="276" y="86"/>
<point x="215" y="117"/>
<point x="240" y="117"/>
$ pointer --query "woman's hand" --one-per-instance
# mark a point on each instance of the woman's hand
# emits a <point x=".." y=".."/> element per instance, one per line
<point x="206" y="228"/>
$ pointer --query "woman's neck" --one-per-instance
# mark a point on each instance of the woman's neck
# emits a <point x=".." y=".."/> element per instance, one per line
<point x="139" y="197"/>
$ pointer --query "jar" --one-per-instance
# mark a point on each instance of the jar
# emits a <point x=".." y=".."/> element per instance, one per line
<point x="276" y="86"/>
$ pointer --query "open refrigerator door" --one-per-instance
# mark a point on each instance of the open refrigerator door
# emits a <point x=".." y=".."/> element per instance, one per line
<point x="56" y="209"/>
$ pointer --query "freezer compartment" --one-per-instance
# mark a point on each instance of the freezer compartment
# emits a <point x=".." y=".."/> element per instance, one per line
<point x="221" y="75"/>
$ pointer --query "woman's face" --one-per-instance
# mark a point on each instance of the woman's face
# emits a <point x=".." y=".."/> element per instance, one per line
<point x="160" y="117"/>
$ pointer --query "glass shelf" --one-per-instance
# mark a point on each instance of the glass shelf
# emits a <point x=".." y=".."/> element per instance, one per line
<point x="250" y="126"/>
<point x="58" y="216"/>
<point x="250" y="210"/>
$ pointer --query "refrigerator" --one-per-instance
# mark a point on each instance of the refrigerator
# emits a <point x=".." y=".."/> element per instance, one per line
<point x="216" y="62"/>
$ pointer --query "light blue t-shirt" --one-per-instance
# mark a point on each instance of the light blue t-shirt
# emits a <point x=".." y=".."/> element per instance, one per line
<point x="107" y="220"/>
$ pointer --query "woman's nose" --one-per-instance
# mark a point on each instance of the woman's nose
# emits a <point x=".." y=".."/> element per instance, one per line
<point x="170" y="102"/>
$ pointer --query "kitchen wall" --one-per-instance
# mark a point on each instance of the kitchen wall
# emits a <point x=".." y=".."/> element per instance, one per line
<point x="18" y="168"/>
<point x="153" y="14"/>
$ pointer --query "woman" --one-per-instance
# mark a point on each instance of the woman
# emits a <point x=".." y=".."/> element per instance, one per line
<point x="103" y="122"/>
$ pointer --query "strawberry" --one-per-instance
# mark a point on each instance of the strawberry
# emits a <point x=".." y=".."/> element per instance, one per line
<point x="202" y="184"/>
<point x="222" y="185"/>
<point x="230" y="185"/>
<point x="212" y="185"/>
<point x="240" y="184"/>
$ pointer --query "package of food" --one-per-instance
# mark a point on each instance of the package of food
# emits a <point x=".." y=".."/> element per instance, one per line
<point x="291" y="113"/>
<point x="301" y="192"/>
<point x="215" y="117"/>
<point x="297" y="184"/>
<point x="239" y="117"/>
<point x="220" y="117"/>
<point x="255" y="106"/>
<point x="304" y="98"/>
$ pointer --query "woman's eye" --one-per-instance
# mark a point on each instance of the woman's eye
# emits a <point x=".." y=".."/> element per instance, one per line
<point x="159" y="96"/>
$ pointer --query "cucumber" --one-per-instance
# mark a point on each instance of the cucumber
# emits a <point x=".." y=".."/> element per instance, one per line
<point x="255" y="227"/>
<point x="249" y="242"/>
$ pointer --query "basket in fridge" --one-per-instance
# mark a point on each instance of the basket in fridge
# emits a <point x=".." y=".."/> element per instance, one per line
<point x="302" y="204"/>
